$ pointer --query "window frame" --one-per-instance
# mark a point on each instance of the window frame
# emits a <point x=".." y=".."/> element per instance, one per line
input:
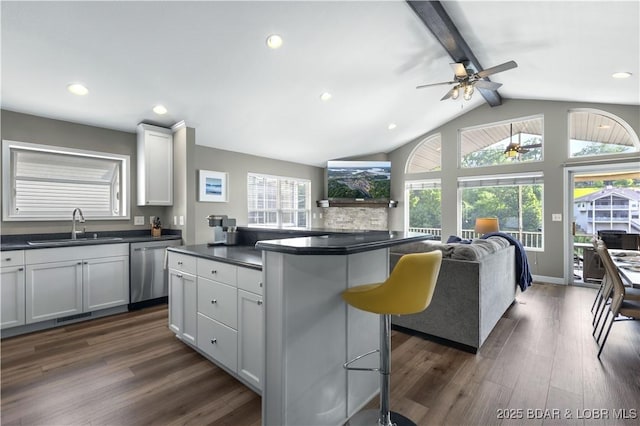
<point x="511" y="179"/>
<point x="279" y="210"/>
<point x="496" y="124"/>
<point x="9" y="181"/>
<point x="434" y="183"/>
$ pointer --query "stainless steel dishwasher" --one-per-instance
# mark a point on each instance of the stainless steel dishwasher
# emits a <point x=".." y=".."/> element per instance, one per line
<point x="148" y="278"/>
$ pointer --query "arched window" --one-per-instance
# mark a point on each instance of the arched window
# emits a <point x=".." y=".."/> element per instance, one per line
<point x="593" y="132"/>
<point x="426" y="156"/>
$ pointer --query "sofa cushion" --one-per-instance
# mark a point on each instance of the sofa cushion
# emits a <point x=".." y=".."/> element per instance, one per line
<point x="478" y="248"/>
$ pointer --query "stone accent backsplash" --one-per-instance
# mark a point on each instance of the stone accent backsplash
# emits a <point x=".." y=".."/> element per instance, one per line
<point x="374" y="218"/>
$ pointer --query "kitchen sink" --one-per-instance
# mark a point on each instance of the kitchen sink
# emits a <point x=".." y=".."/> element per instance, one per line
<point x="70" y="242"/>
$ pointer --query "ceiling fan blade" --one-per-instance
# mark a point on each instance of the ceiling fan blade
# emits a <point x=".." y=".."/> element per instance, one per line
<point x="434" y="84"/>
<point x="498" y="68"/>
<point x="459" y="70"/>
<point x="489" y="85"/>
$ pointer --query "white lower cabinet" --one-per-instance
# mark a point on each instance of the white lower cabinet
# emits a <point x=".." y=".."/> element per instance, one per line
<point x="183" y="305"/>
<point x="229" y="319"/>
<point x="218" y="341"/>
<point x="250" y="337"/>
<point x="53" y="290"/>
<point x="66" y="281"/>
<point x="12" y="289"/>
<point x="105" y="283"/>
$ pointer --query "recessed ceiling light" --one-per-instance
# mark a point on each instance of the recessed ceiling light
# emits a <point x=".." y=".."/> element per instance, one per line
<point x="621" y="74"/>
<point x="392" y="126"/>
<point x="160" y="109"/>
<point x="325" y="96"/>
<point x="77" y="89"/>
<point x="274" y="41"/>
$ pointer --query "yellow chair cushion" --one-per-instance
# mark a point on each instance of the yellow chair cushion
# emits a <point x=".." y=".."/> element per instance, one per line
<point x="408" y="289"/>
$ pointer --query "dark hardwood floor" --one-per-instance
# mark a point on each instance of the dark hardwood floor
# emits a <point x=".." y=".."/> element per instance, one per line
<point x="539" y="365"/>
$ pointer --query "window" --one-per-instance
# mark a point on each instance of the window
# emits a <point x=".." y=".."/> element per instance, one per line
<point x="488" y="145"/>
<point x="516" y="200"/>
<point x="426" y="156"/>
<point x="278" y="201"/>
<point x="595" y="132"/>
<point x="43" y="182"/>
<point x="423" y="206"/>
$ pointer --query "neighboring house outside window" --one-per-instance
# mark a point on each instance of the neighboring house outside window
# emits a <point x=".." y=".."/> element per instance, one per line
<point x="608" y="209"/>
<point x="278" y="201"/>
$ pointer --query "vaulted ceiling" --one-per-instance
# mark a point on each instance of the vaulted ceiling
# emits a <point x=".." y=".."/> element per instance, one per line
<point x="208" y="63"/>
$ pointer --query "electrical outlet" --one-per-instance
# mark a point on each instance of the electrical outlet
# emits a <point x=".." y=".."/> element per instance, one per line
<point x="151" y="219"/>
<point x="320" y="215"/>
<point x="181" y="220"/>
<point x="138" y="220"/>
<point x="556" y="217"/>
<point x="314" y="215"/>
<point x="175" y="220"/>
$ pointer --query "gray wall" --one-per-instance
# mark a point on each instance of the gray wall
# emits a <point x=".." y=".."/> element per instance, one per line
<point x="556" y="129"/>
<point x="237" y="166"/>
<point x="188" y="159"/>
<point x="45" y="131"/>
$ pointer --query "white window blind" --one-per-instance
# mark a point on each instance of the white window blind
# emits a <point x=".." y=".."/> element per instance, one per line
<point x="417" y="185"/>
<point x="501" y="180"/>
<point x="278" y="201"/>
<point x="48" y="183"/>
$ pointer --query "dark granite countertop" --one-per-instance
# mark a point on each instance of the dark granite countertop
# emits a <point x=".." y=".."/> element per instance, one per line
<point x="20" y="242"/>
<point x="246" y="256"/>
<point x="340" y="244"/>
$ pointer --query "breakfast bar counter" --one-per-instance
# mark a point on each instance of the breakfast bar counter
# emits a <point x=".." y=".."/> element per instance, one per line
<point x="310" y="332"/>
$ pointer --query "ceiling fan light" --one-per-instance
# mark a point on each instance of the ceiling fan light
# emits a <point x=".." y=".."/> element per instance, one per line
<point x="511" y="152"/>
<point x="468" y="92"/>
<point x="455" y="93"/>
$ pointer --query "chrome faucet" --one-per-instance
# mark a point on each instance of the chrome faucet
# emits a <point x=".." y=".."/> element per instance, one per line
<point x="73" y="222"/>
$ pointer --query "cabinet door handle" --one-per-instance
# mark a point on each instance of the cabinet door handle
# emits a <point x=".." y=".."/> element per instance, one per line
<point x="213" y="271"/>
<point x="179" y="263"/>
<point x="179" y="275"/>
<point x="8" y="259"/>
<point x="20" y="269"/>
<point x="214" y="301"/>
<point x="259" y="302"/>
<point x="214" y="341"/>
<point x="86" y="263"/>
<point x="260" y="284"/>
<point x="79" y="263"/>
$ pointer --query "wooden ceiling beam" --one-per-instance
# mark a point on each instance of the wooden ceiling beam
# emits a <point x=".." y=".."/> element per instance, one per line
<point x="437" y="20"/>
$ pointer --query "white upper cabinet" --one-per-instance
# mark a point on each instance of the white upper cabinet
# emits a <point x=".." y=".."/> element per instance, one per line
<point x="155" y="166"/>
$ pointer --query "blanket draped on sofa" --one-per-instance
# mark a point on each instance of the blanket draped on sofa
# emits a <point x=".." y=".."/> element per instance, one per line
<point x="523" y="273"/>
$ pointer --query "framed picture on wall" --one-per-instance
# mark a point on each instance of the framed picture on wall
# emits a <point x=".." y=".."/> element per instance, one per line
<point x="213" y="186"/>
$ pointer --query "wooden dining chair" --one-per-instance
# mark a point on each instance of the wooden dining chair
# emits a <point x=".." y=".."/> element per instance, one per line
<point x="620" y="307"/>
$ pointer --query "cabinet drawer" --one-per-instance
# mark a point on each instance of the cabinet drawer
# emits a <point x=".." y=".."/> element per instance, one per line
<point x="218" y="301"/>
<point x="217" y="271"/>
<point x="182" y="262"/>
<point x="250" y="280"/>
<point x="12" y="258"/>
<point x="218" y="341"/>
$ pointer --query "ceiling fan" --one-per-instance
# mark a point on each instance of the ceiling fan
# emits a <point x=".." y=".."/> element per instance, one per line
<point x="465" y="79"/>
<point x="514" y="149"/>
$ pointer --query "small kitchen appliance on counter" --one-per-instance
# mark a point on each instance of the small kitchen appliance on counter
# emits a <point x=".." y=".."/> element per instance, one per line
<point x="222" y="227"/>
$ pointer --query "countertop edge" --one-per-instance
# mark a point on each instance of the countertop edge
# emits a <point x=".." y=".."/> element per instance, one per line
<point x="338" y="250"/>
<point x="231" y="261"/>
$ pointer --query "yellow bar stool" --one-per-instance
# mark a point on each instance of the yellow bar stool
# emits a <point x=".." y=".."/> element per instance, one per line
<point x="408" y="290"/>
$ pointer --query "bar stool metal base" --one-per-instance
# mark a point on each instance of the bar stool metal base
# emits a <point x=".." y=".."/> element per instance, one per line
<point x="370" y="418"/>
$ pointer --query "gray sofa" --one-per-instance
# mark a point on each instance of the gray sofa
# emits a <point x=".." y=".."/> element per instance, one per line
<point x="475" y="287"/>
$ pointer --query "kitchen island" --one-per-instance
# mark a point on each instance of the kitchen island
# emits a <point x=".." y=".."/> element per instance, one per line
<point x="310" y="332"/>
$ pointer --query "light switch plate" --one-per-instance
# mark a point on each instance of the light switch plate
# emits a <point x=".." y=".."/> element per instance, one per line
<point x="181" y="220"/>
<point x="151" y="219"/>
<point x="556" y="217"/>
<point x="138" y="220"/>
<point x="175" y="220"/>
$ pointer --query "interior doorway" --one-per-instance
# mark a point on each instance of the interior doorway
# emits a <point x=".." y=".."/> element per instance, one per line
<point x="602" y="200"/>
